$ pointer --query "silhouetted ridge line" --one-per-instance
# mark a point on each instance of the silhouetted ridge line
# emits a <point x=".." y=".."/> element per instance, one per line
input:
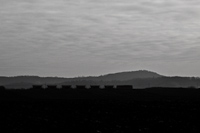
<point x="138" y="79"/>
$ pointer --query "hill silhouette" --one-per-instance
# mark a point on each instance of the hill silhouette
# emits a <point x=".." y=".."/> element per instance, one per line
<point x="139" y="79"/>
<point x="122" y="76"/>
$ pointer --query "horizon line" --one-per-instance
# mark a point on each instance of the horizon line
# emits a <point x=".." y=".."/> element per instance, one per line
<point x="96" y="75"/>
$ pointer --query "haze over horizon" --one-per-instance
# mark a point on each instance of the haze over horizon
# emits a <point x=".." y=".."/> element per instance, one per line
<point x="70" y="38"/>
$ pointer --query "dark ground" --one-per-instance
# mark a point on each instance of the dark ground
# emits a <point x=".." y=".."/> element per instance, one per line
<point x="100" y="111"/>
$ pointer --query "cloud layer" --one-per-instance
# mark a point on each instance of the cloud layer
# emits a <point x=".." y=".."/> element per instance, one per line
<point x="86" y="37"/>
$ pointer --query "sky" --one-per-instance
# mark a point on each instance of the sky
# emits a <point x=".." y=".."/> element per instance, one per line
<point x="70" y="38"/>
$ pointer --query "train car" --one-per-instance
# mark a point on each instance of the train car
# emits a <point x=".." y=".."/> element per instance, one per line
<point x="80" y="87"/>
<point x="51" y="87"/>
<point x="93" y="87"/>
<point x="66" y="87"/>
<point x="37" y="87"/>
<point x="124" y="87"/>
<point x="109" y="87"/>
<point x="2" y="88"/>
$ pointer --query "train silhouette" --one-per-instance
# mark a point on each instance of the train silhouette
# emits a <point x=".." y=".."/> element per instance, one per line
<point x="81" y="87"/>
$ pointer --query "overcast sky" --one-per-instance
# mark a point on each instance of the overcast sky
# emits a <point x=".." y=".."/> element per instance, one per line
<point x="92" y="37"/>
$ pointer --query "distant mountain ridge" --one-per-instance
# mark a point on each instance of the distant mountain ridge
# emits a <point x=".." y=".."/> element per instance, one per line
<point x="122" y="76"/>
<point x="140" y="79"/>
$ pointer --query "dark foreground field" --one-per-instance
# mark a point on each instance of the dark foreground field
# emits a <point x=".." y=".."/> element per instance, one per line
<point x="100" y="111"/>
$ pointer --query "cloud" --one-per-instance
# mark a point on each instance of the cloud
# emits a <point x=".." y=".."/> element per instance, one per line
<point x="70" y="33"/>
